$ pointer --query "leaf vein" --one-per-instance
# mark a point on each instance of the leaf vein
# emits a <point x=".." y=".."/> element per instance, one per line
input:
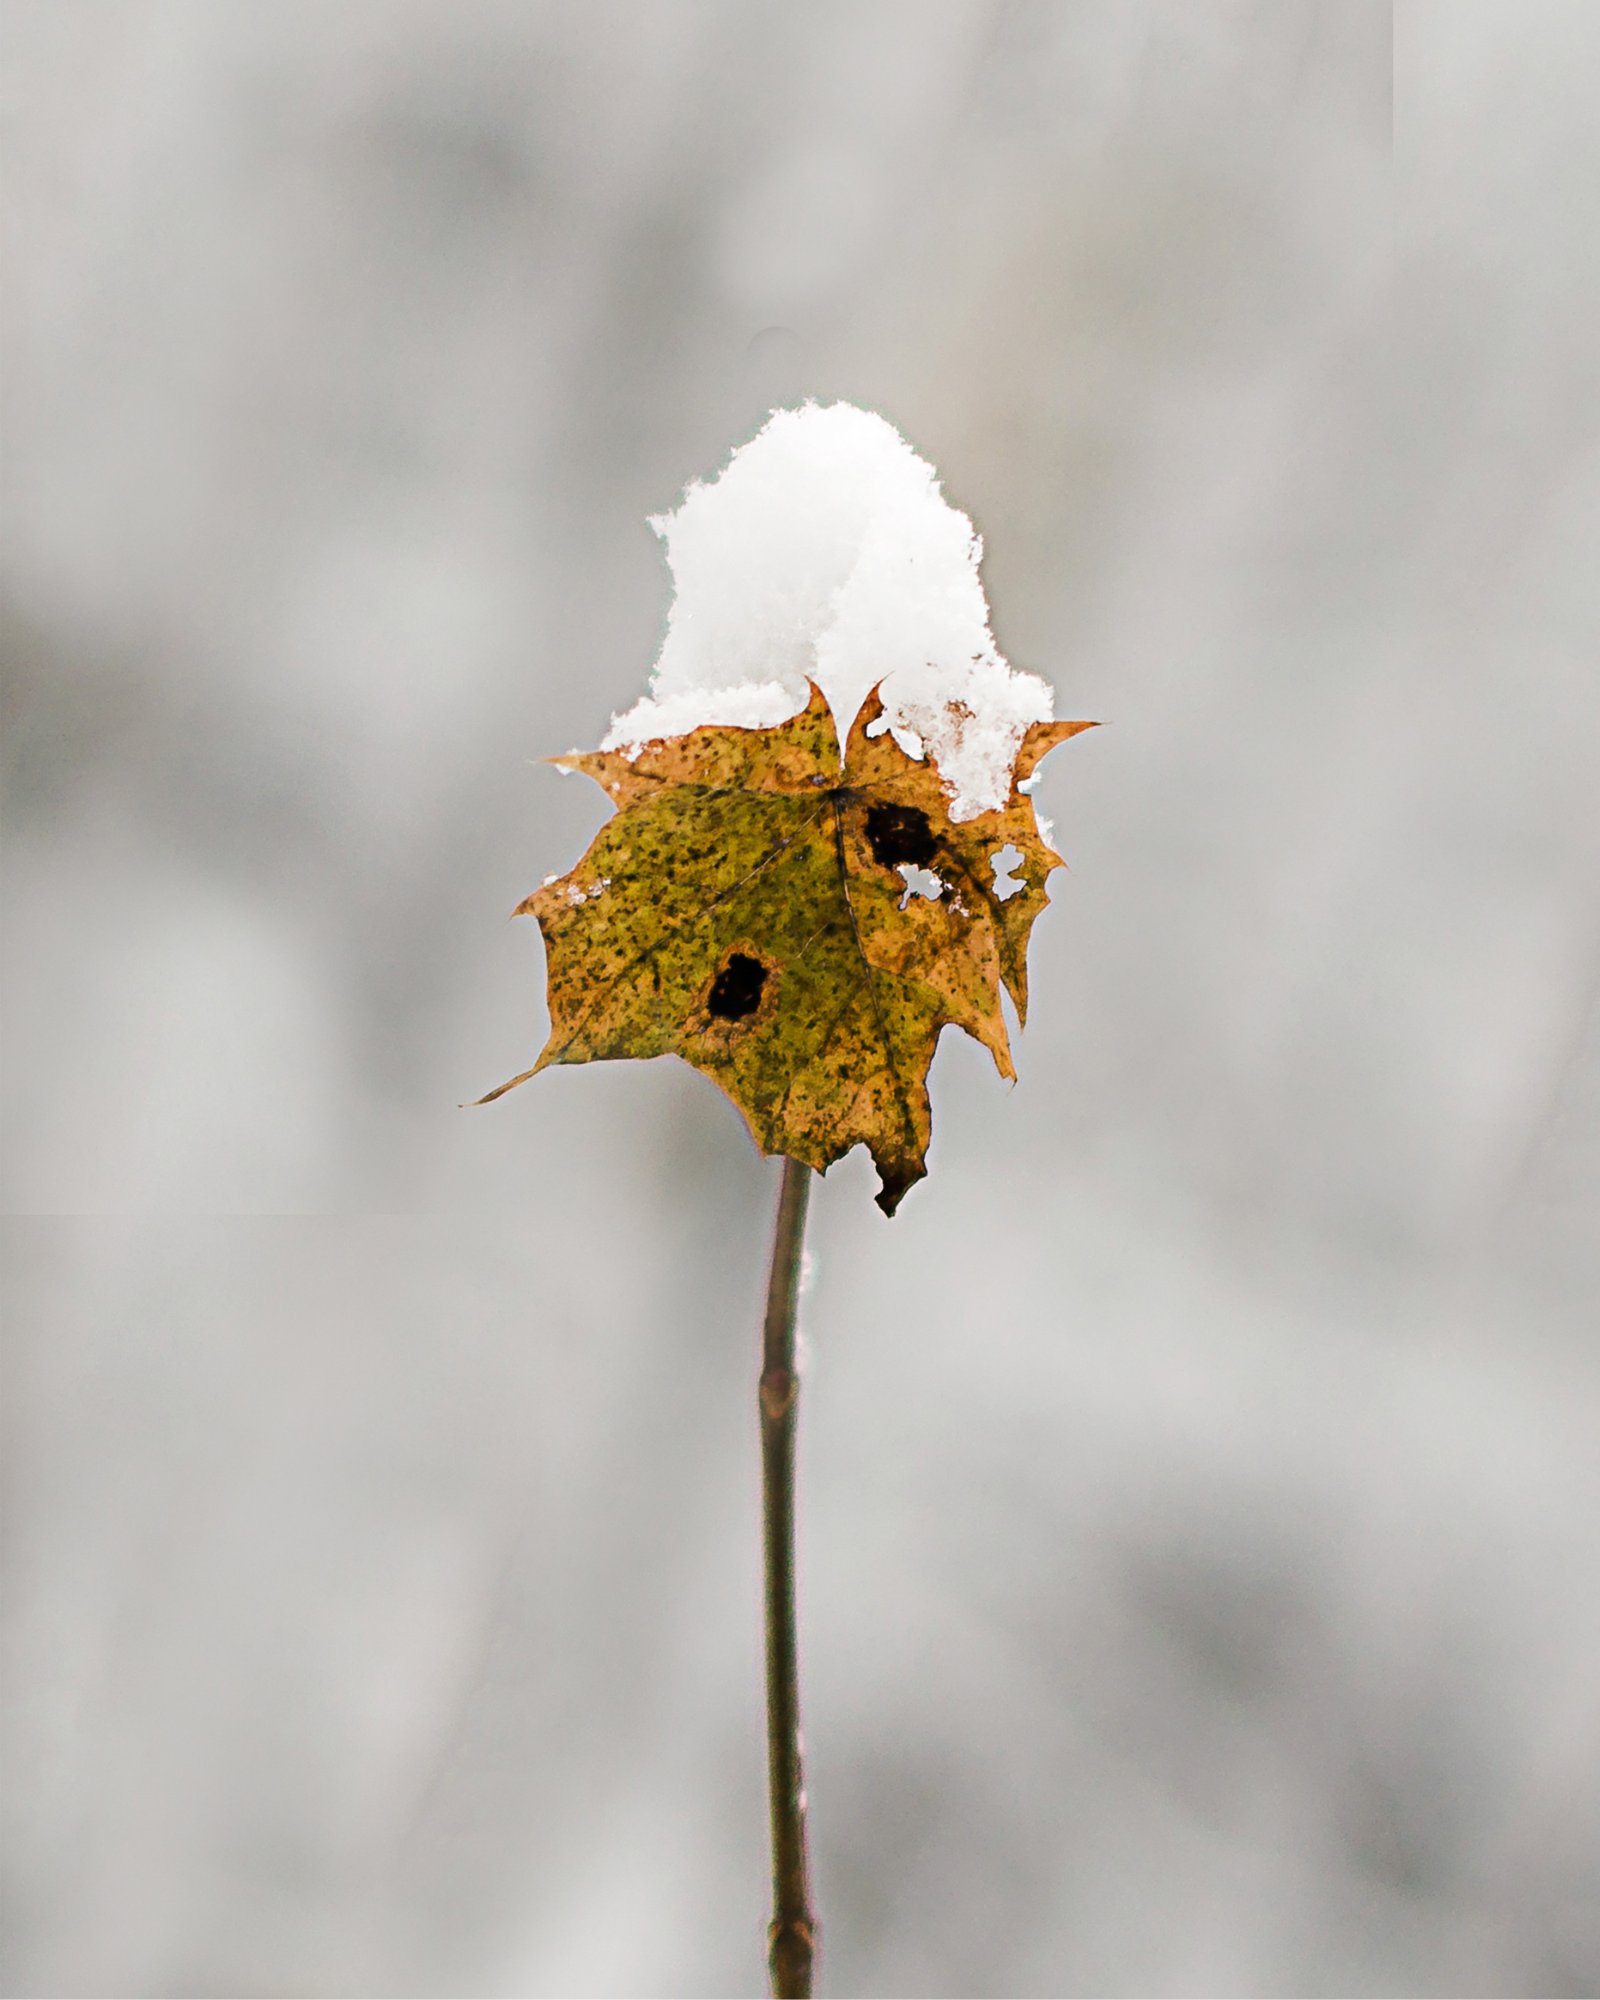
<point x="901" y="1098"/>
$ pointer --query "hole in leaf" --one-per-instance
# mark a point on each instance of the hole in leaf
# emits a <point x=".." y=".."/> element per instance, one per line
<point x="736" y="990"/>
<point x="1002" y="864"/>
<point x="900" y="833"/>
<point x="919" y="882"/>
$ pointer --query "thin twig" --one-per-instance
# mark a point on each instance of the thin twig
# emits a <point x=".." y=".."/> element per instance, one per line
<point x="792" y="1934"/>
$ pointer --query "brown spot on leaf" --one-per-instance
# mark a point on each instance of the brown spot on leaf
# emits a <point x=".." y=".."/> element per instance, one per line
<point x="736" y="990"/>
<point x="900" y="833"/>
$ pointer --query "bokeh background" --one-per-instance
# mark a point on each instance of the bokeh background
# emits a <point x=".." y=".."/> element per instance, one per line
<point x="1201" y="1475"/>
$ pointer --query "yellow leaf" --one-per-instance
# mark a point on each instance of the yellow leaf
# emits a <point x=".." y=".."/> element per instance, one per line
<point x="797" y="928"/>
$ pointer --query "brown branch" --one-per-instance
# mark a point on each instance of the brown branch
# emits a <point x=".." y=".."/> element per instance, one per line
<point x="792" y="1933"/>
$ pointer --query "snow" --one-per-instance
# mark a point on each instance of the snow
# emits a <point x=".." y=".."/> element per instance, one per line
<point x="825" y="549"/>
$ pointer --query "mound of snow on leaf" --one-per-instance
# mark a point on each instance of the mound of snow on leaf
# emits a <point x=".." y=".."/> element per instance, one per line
<point x="824" y="550"/>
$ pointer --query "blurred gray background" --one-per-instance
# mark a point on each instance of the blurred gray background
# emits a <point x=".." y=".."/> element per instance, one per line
<point x="1201" y="1475"/>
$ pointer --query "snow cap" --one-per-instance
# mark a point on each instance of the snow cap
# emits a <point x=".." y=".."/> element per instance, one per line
<point x="824" y="549"/>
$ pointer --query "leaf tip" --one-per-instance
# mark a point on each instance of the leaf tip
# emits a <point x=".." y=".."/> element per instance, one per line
<point x="500" y="1090"/>
<point x="1039" y="740"/>
<point x="894" y="1182"/>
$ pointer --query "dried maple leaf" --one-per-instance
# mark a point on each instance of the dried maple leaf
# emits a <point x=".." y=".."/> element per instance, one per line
<point x="751" y="908"/>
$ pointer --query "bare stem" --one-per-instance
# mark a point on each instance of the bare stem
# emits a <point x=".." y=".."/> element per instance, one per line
<point x="791" y="1936"/>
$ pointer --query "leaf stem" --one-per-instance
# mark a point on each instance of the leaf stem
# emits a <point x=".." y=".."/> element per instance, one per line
<point x="791" y="1936"/>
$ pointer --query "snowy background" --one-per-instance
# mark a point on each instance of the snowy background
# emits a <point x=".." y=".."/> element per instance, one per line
<point x="1201" y="1483"/>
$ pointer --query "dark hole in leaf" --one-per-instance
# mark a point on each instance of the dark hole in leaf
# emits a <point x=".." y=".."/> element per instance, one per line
<point x="900" y="833"/>
<point x="736" y="990"/>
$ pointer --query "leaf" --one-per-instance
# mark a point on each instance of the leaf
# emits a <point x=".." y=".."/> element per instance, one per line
<point x="750" y="908"/>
